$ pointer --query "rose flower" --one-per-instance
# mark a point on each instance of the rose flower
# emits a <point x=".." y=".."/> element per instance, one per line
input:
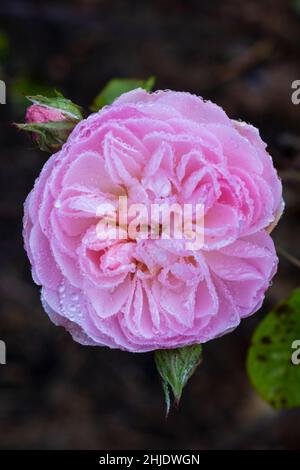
<point x="146" y="294"/>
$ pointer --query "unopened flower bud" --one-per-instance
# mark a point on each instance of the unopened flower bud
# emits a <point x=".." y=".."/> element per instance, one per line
<point x="50" y="121"/>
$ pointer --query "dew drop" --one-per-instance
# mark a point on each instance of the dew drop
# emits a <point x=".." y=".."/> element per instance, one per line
<point x="61" y="288"/>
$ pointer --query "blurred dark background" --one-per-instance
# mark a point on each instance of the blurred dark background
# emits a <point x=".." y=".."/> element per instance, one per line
<point x="54" y="393"/>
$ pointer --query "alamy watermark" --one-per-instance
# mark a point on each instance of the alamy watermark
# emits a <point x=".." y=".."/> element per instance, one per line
<point x="295" y="358"/>
<point x="151" y="221"/>
<point x="2" y="353"/>
<point x="295" y="97"/>
<point x="2" y="92"/>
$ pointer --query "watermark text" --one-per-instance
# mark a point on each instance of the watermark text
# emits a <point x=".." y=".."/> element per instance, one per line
<point x="154" y="221"/>
<point x="2" y="353"/>
<point x="2" y="92"/>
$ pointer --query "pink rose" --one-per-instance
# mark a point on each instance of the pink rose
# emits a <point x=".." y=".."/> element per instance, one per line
<point x="50" y="121"/>
<point x="47" y="139"/>
<point x="141" y="295"/>
<point x="38" y="113"/>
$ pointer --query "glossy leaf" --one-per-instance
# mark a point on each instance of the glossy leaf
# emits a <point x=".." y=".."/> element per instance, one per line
<point x="272" y="358"/>
<point x="60" y="103"/>
<point x="117" y="87"/>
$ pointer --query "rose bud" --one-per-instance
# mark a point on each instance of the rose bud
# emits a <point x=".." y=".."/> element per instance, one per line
<point x="50" y="121"/>
<point x="38" y="113"/>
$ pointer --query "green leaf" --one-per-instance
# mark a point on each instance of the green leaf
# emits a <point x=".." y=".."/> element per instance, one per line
<point x="116" y="87"/>
<point x="269" y="362"/>
<point x="50" y="136"/>
<point x="175" y="367"/>
<point x="65" y="105"/>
